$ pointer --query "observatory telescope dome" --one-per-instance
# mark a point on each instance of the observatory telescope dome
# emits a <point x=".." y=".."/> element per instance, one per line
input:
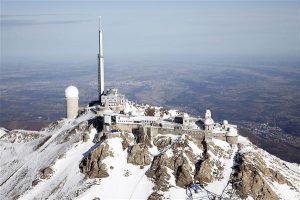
<point x="71" y="92"/>
<point x="207" y="114"/>
<point x="185" y="115"/>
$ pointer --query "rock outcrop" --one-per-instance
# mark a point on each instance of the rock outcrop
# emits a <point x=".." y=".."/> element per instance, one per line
<point x="251" y="183"/>
<point x="203" y="173"/>
<point x="161" y="142"/>
<point x="92" y="165"/>
<point x="155" y="196"/>
<point x="145" y="138"/>
<point x="86" y="136"/>
<point x="47" y="172"/>
<point x="125" y="144"/>
<point x="127" y="139"/>
<point x="183" y="176"/>
<point x="250" y="177"/>
<point x="158" y="172"/>
<point x="175" y="159"/>
<point x="182" y="170"/>
<point x="139" y="154"/>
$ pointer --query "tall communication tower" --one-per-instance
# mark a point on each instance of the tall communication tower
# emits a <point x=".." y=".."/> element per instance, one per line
<point x="100" y="64"/>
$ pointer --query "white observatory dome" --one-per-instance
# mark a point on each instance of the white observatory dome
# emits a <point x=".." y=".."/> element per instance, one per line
<point x="71" y="92"/>
<point x="209" y="121"/>
<point x="225" y="122"/>
<point x="185" y="115"/>
<point x="207" y="114"/>
<point x="232" y="132"/>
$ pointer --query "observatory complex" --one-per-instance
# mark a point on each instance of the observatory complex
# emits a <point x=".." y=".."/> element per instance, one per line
<point x="118" y="114"/>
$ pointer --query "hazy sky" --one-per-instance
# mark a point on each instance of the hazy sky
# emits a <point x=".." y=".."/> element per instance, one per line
<point x="66" y="32"/>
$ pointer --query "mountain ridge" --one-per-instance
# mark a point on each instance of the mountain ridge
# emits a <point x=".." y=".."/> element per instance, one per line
<point x="70" y="159"/>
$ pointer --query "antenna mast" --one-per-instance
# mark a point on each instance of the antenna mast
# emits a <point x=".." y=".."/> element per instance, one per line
<point x="100" y="64"/>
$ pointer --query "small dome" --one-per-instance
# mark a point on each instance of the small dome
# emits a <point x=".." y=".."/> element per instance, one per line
<point x="232" y="132"/>
<point x="185" y="115"/>
<point x="71" y="92"/>
<point x="207" y="114"/>
<point x="209" y="121"/>
<point x="225" y="122"/>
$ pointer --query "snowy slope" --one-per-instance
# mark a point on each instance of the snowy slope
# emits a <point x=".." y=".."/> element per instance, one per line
<point x="66" y="172"/>
<point x="21" y="163"/>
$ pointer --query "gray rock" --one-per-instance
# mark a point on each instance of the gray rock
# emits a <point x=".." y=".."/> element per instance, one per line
<point x="251" y="183"/>
<point x="158" y="173"/>
<point x="155" y="196"/>
<point x="162" y="142"/>
<point x="92" y="165"/>
<point x="183" y="176"/>
<point x="139" y="154"/>
<point x="85" y="137"/>
<point x="144" y="138"/>
<point x="203" y="173"/>
<point x="125" y="144"/>
<point x="47" y="172"/>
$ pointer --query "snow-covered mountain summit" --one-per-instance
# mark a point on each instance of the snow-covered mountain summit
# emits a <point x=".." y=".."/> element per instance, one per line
<point x="70" y="160"/>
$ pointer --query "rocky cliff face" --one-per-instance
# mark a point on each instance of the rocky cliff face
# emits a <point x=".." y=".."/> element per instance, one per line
<point x="139" y="154"/>
<point x="92" y="164"/>
<point x="260" y="175"/>
<point x="217" y="168"/>
<point x="177" y="157"/>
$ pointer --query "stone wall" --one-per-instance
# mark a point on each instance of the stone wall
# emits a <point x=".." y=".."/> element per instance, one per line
<point x="199" y="137"/>
<point x="165" y="131"/>
<point x="155" y="130"/>
<point x="232" y="139"/>
<point x="125" y="127"/>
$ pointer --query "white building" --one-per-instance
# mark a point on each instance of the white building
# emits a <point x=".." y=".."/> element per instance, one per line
<point x="113" y="100"/>
<point x="142" y="120"/>
<point x="188" y="123"/>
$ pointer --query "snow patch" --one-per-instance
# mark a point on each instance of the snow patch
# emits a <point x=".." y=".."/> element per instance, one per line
<point x="284" y="191"/>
